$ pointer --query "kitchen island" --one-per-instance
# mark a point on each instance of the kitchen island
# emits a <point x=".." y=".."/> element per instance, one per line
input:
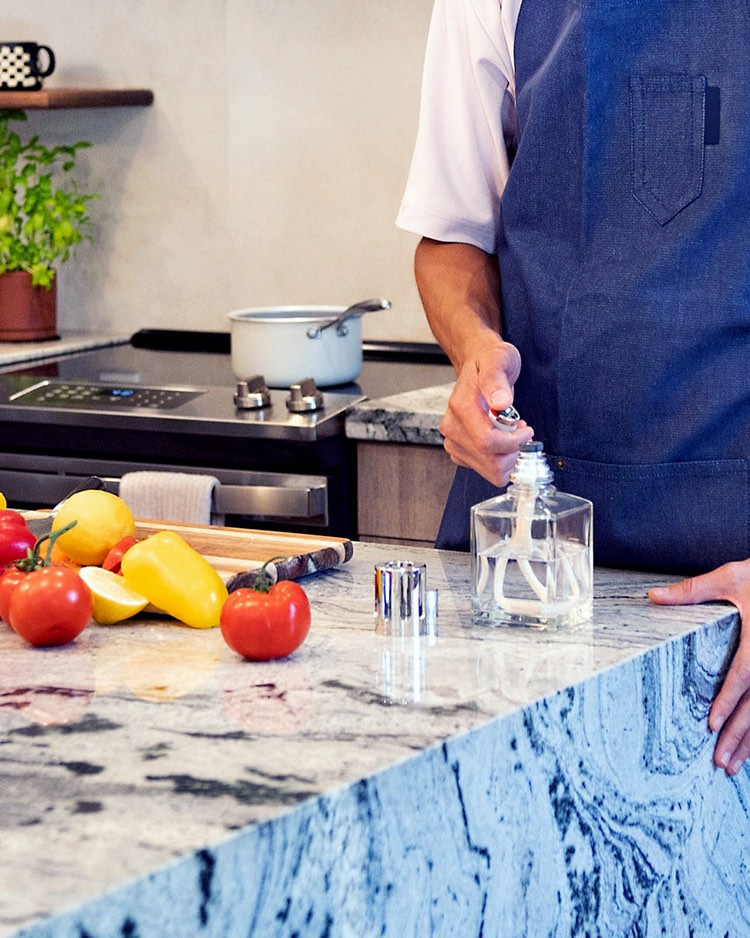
<point x="470" y="782"/>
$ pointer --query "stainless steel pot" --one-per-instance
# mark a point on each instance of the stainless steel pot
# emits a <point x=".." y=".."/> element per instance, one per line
<point x="288" y="343"/>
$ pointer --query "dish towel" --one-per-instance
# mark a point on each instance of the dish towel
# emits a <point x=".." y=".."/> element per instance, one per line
<point x="171" y="496"/>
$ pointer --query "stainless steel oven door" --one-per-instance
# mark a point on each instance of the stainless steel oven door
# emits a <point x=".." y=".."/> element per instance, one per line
<point x="246" y="498"/>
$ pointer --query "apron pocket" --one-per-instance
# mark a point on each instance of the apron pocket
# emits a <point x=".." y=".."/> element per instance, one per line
<point x="666" y="123"/>
<point x="672" y="517"/>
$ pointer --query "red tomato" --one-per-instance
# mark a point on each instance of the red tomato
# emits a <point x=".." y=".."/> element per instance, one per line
<point x="9" y="580"/>
<point x="262" y="626"/>
<point x="50" y="606"/>
<point x="114" y="558"/>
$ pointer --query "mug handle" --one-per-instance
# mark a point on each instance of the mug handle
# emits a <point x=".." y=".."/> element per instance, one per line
<point x="50" y="65"/>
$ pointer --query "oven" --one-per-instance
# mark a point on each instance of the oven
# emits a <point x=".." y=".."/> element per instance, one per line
<point x="168" y="401"/>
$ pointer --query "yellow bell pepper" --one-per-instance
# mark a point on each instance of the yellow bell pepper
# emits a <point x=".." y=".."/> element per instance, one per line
<point x="176" y="579"/>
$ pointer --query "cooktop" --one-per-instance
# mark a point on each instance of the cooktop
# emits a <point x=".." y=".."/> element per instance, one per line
<point x="183" y="390"/>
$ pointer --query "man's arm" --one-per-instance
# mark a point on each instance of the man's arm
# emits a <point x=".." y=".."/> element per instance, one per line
<point x="460" y="290"/>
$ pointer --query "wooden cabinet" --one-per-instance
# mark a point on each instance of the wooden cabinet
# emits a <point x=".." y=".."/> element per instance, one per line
<point x="402" y="489"/>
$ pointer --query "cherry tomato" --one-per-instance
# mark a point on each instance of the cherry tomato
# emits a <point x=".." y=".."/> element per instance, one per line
<point x="50" y="606"/>
<point x="15" y="538"/>
<point x="265" y="625"/>
<point x="9" y="580"/>
<point x="114" y="558"/>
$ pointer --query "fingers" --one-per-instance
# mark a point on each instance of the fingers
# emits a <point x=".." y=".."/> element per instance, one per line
<point x="726" y="582"/>
<point x="733" y="700"/>
<point x="495" y="466"/>
<point x="733" y="743"/>
<point x="730" y="713"/>
<point x="469" y="437"/>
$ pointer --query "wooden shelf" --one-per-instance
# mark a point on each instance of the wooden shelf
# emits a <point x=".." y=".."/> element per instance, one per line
<point x="75" y="97"/>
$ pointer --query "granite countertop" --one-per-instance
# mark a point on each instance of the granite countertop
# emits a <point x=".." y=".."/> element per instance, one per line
<point x="13" y="353"/>
<point x="153" y="784"/>
<point x="408" y="417"/>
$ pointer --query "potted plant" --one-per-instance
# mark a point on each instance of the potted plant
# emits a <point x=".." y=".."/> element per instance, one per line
<point x="41" y="221"/>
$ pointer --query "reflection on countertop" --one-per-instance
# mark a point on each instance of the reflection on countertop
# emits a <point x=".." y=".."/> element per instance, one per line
<point x="153" y="783"/>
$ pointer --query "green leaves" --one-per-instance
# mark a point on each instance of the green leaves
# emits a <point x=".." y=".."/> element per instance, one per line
<point x="41" y="219"/>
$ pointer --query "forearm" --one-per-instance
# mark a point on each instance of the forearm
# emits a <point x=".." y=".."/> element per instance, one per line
<point x="460" y="290"/>
<point x="459" y="286"/>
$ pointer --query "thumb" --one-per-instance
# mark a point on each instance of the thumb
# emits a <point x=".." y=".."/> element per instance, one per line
<point x="496" y="371"/>
<point x="696" y="589"/>
<point x="496" y="390"/>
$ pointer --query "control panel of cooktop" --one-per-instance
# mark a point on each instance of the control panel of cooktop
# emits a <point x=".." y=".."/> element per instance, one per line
<point x="117" y="396"/>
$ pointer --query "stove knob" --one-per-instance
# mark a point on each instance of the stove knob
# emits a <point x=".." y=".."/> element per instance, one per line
<point x="304" y="397"/>
<point x="252" y="394"/>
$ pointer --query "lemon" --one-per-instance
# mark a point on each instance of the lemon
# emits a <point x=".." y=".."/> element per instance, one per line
<point x="102" y="519"/>
<point x="3" y="501"/>
<point x="113" y="599"/>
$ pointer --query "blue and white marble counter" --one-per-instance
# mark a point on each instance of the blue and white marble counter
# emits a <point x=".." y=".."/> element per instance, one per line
<point x="481" y="782"/>
<point x="409" y="417"/>
<point x="13" y="353"/>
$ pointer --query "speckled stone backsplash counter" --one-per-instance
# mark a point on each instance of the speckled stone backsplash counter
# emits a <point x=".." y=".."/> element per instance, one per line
<point x="477" y="782"/>
<point x="13" y="353"/>
<point x="409" y="417"/>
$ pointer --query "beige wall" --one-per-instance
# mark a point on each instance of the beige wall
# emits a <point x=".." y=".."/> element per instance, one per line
<point x="268" y="171"/>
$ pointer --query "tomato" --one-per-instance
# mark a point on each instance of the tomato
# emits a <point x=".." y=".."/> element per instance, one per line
<point x="262" y="625"/>
<point x="50" y="606"/>
<point x="15" y="538"/>
<point x="9" y="580"/>
<point x="114" y="558"/>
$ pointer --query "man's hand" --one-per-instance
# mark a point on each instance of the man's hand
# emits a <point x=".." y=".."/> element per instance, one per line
<point x="485" y="380"/>
<point x="730" y="713"/>
<point x="460" y="289"/>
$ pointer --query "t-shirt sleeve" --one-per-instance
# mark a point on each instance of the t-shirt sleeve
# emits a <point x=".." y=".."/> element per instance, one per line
<point x="460" y="161"/>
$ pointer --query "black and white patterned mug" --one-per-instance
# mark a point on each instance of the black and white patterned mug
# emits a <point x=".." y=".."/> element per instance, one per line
<point x="22" y="65"/>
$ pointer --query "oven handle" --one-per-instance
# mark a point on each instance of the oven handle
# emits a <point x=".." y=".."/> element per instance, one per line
<point x="286" y="496"/>
<point x="292" y="499"/>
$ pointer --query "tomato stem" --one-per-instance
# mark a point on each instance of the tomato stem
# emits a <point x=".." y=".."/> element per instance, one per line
<point x="33" y="559"/>
<point x="264" y="583"/>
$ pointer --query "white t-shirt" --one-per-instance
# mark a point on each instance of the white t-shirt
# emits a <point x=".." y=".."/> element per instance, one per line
<point x="460" y="162"/>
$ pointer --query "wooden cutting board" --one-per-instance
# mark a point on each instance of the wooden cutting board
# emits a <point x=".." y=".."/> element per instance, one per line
<point x="238" y="553"/>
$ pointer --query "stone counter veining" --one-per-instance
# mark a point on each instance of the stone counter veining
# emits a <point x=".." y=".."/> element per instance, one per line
<point x="409" y="417"/>
<point x="14" y="353"/>
<point x="481" y="782"/>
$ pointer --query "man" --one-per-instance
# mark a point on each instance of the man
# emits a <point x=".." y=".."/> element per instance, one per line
<point x="581" y="182"/>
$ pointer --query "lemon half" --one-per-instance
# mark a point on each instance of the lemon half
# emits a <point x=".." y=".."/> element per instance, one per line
<point x="113" y="599"/>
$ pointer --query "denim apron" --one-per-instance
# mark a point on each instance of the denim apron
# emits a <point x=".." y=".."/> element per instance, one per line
<point x="624" y="251"/>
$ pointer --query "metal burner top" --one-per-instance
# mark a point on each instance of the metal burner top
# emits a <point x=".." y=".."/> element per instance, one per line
<point x="121" y="388"/>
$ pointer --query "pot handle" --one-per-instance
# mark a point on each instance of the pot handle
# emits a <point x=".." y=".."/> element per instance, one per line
<point x="356" y="309"/>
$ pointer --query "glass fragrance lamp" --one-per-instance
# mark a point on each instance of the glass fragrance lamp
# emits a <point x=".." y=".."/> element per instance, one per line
<point x="531" y="551"/>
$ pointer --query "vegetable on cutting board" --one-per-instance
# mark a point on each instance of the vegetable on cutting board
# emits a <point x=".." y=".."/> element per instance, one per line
<point x="15" y="538"/>
<point x="176" y="579"/>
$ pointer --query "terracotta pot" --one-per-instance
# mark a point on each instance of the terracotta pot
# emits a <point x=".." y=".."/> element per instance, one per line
<point x="27" y="313"/>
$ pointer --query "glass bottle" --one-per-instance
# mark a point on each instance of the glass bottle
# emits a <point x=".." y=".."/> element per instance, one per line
<point x="531" y="551"/>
